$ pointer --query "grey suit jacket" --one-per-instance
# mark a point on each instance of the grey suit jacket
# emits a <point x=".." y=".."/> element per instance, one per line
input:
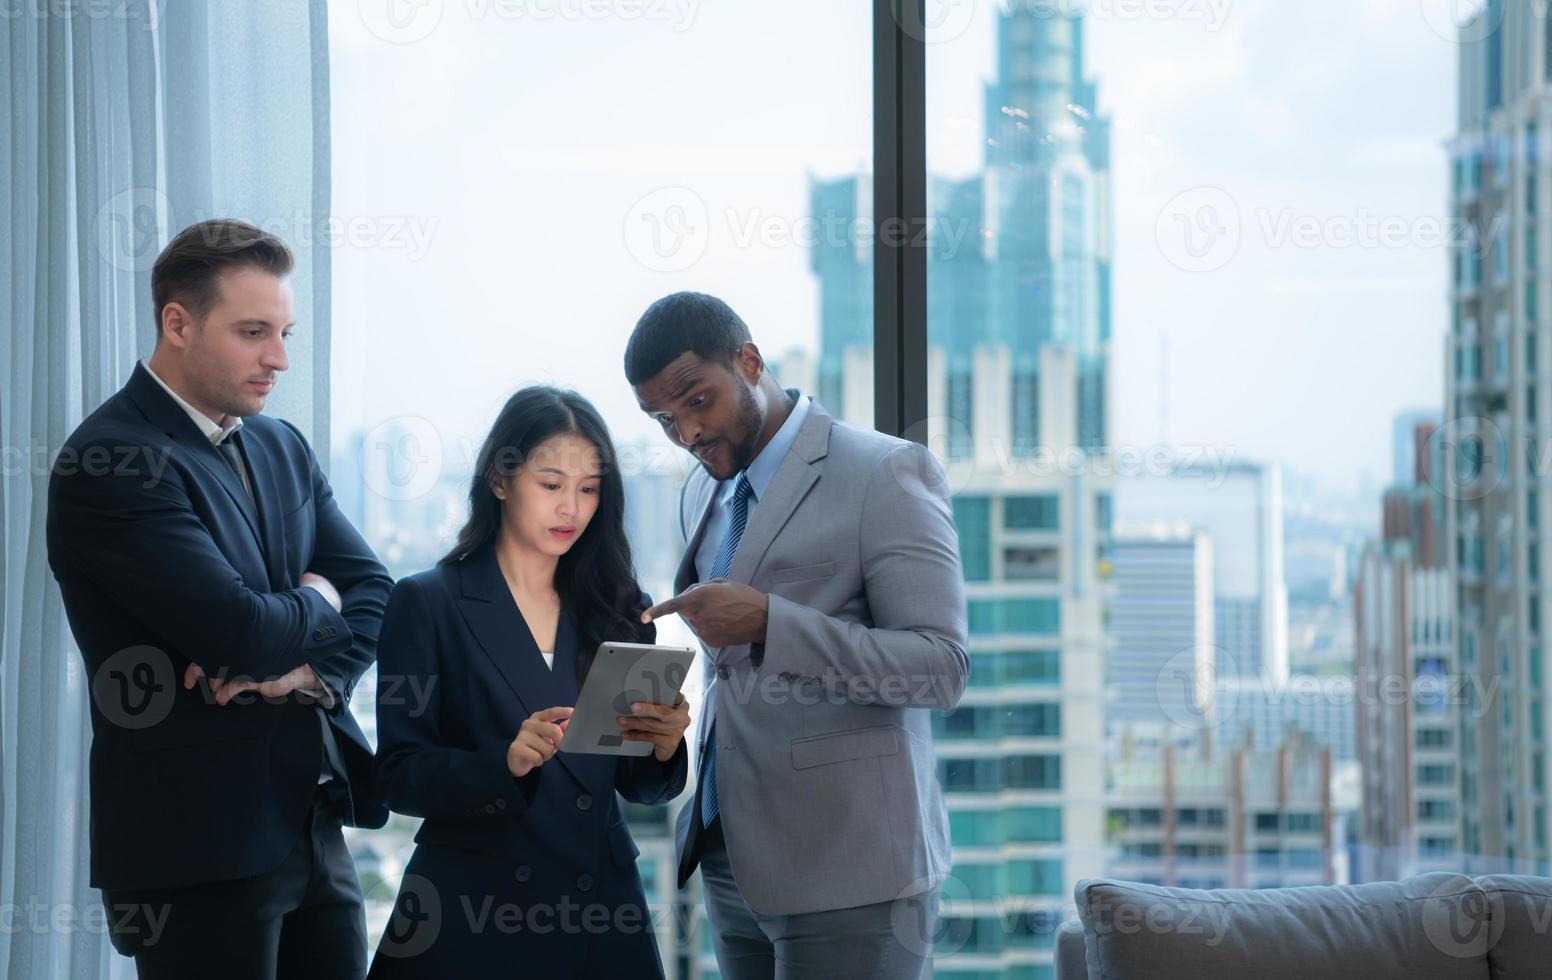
<point x="827" y="783"/>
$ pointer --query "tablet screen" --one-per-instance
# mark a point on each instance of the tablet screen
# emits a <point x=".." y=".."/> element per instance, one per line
<point x="623" y="674"/>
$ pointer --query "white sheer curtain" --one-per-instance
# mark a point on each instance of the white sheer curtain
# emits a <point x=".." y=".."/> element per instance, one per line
<point x="123" y="122"/>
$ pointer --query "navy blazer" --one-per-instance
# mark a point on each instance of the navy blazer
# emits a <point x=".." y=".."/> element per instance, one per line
<point x="163" y="560"/>
<point x="500" y="860"/>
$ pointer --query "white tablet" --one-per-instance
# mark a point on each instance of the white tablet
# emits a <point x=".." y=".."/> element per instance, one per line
<point x="623" y="674"/>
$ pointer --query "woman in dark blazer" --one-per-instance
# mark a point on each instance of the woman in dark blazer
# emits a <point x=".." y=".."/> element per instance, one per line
<point x="523" y="864"/>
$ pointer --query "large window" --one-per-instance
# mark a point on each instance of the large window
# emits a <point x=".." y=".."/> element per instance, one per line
<point x="1171" y="305"/>
<point x="516" y="184"/>
<point x="1188" y="296"/>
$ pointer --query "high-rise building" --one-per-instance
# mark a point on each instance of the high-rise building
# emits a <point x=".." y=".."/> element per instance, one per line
<point x="1405" y="669"/>
<point x="1495" y="465"/>
<point x="1241" y="505"/>
<point x="1408" y="716"/>
<point x="1019" y="386"/>
<point x="1405" y="448"/>
<point x="1259" y="714"/>
<point x="1159" y="677"/>
<point x="1268" y="817"/>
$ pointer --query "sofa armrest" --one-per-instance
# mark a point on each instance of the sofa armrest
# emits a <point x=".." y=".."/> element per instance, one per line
<point x="1071" y="963"/>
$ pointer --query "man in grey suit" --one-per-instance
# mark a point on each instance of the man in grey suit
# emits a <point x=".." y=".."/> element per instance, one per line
<point x="822" y="575"/>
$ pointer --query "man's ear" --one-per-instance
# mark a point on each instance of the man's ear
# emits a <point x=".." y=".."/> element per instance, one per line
<point x="176" y="324"/>
<point x="750" y="362"/>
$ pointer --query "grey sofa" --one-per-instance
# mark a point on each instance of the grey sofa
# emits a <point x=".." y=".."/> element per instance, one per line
<point x="1444" y="926"/>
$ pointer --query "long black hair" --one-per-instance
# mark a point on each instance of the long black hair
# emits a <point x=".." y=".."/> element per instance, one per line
<point x="596" y="579"/>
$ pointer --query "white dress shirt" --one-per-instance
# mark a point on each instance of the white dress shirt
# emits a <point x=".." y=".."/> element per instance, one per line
<point x="215" y="433"/>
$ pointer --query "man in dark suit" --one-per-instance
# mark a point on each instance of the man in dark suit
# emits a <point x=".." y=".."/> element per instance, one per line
<point x="225" y="609"/>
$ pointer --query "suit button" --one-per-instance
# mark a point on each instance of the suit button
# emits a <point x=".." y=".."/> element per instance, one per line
<point x="723" y="672"/>
<point x="501" y="804"/>
<point x="317" y="634"/>
<point x="523" y="873"/>
<point x="584" y="802"/>
<point x="585" y="882"/>
<point x="490" y="808"/>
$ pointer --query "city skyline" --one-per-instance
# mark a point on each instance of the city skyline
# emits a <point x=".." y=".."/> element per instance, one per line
<point x="1297" y="382"/>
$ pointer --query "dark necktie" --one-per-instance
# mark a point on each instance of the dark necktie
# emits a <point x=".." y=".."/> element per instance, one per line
<point x="233" y="456"/>
<point x="739" y="518"/>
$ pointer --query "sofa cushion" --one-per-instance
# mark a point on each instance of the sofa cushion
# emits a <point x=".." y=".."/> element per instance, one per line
<point x="1518" y="921"/>
<point x="1068" y="959"/>
<point x="1421" y="929"/>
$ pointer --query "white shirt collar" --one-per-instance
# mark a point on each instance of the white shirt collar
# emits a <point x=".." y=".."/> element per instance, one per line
<point x="215" y="433"/>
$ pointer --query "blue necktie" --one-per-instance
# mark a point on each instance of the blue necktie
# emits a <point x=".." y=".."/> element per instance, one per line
<point x="742" y="491"/>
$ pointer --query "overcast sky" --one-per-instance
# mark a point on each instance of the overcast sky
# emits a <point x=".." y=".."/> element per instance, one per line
<point x="515" y="169"/>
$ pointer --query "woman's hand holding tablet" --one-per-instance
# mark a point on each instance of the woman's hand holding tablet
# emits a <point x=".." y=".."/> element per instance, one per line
<point x="661" y="724"/>
<point x="630" y="702"/>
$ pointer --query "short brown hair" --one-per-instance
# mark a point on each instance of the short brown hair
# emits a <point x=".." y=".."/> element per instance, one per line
<point x="186" y="270"/>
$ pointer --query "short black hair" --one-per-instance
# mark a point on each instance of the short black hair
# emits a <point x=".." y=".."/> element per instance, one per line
<point x="186" y="270"/>
<point x="682" y="322"/>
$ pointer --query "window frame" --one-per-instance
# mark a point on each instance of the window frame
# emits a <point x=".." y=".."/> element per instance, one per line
<point x="900" y="203"/>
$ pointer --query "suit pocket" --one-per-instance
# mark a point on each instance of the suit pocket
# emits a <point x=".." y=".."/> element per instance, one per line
<point x="802" y="573"/>
<point x="864" y="743"/>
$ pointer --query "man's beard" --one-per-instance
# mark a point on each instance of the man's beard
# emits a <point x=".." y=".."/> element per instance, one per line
<point x="749" y="417"/>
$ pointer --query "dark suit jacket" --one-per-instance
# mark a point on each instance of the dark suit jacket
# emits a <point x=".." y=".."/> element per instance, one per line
<point x="459" y="673"/>
<point x="162" y="561"/>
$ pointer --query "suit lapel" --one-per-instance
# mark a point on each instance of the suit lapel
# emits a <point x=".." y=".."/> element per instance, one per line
<point x="566" y="653"/>
<point x="267" y="495"/>
<point x="498" y="626"/>
<point x="688" y="574"/>
<point x="164" y="413"/>
<point x="795" y="476"/>
<point x="209" y="457"/>
<point x="596" y="771"/>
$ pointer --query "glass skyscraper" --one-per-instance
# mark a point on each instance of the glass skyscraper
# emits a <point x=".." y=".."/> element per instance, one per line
<point x="1495" y="467"/>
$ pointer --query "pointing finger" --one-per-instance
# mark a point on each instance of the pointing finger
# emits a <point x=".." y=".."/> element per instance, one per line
<point x="665" y="607"/>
